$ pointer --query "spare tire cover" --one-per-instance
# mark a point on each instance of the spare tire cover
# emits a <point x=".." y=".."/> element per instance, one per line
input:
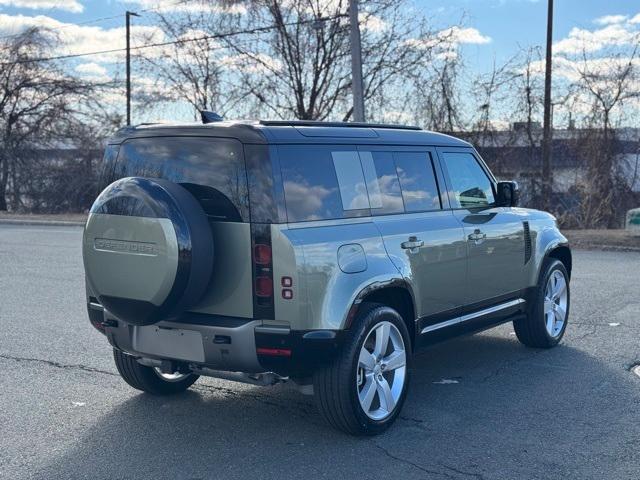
<point x="147" y="250"/>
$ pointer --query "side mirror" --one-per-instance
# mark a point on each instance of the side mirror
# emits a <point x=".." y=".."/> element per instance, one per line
<point x="508" y="194"/>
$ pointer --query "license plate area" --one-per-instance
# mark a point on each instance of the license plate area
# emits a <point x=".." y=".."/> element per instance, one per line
<point x="169" y="343"/>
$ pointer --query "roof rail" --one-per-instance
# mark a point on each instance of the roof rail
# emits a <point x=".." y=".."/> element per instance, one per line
<point x="315" y="123"/>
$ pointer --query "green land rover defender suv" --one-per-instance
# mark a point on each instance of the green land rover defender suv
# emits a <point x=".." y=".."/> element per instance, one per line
<point x="324" y="254"/>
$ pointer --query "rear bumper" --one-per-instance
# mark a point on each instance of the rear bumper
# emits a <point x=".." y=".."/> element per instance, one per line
<point x="227" y="344"/>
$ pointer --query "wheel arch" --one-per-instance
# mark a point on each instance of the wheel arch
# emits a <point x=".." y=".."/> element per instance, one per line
<point x="395" y="294"/>
<point x="562" y="253"/>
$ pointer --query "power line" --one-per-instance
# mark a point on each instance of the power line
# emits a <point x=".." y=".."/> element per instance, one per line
<point x="69" y="25"/>
<point x="173" y="42"/>
<point x="101" y="19"/>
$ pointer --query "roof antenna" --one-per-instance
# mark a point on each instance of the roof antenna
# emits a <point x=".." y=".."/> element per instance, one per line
<point x="210" y="117"/>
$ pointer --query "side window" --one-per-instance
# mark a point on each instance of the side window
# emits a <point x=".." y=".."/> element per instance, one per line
<point x="385" y="195"/>
<point x="417" y="181"/>
<point x="470" y="185"/>
<point x="353" y="191"/>
<point x="321" y="183"/>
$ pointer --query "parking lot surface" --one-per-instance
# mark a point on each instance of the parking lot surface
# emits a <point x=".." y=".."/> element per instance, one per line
<point x="482" y="406"/>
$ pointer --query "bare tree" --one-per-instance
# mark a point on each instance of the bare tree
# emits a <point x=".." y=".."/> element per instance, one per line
<point x="606" y="83"/>
<point x="295" y="63"/>
<point x="36" y="100"/>
<point x="193" y="68"/>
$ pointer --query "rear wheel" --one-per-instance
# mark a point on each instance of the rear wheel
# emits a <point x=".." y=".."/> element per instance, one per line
<point x="362" y="390"/>
<point x="150" y="379"/>
<point x="547" y="315"/>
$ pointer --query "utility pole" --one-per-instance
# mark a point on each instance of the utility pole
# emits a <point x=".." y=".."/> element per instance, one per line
<point x="547" y="133"/>
<point x="356" y="62"/>
<point x="128" y="16"/>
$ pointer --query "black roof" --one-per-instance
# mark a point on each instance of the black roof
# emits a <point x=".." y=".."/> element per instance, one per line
<point x="291" y="132"/>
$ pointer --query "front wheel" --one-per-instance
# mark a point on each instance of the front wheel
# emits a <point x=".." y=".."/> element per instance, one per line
<point x="151" y="379"/>
<point x="547" y="316"/>
<point x="362" y="390"/>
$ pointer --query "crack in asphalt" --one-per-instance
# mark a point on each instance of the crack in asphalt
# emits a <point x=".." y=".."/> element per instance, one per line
<point x="51" y="363"/>
<point x="410" y="463"/>
<point x="462" y="472"/>
<point x="427" y="470"/>
<point x="497" y="371"/>
<point x="302" y="410"/>
<point x="592" y="331"/>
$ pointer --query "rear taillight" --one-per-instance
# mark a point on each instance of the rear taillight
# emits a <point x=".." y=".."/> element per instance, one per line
<point x="262" y="254"/>
<point x="262" y="271"/>
<point x="264" y="287"/>
<point x="274" y="352"/>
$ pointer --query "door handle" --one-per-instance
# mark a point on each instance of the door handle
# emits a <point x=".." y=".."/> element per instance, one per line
<point x="413" y="244"/>
<point x="477" y="236"/>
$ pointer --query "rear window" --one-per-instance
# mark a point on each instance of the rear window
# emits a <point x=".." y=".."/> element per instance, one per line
<point x="108" y="167"/>
<point x="212" y="169"/>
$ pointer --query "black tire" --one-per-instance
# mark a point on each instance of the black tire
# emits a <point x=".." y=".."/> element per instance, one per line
<point x="146" y="378"/>
<point x="531" y="330"/>
<point x="335" y="385"/>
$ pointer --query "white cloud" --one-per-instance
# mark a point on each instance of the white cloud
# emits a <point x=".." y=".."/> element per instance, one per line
<point x="371" y="22"/>
<point x="68" y="5"/>
<point x="635" y="19"/>
<point x="461" y="35"/>
<point x="448" y="40"/>
<point x="580" y="40"/>
<point x="570" y="69"/>
<point x="78" y="39"/>
<point x="186" y="6"/>
<point x="91" y="68"/>
<point x="609" y="19"/>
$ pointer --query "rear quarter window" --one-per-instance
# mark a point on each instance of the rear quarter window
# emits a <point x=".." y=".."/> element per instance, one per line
<point x="310" y="175"/>
<point x="212" y="169"/>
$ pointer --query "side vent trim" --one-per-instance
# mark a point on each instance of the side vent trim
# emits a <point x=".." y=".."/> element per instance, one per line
<point x="527" y="242"/>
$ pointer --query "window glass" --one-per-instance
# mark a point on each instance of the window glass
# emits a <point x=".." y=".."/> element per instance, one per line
<point x="108" y="166"/>
<point x="470" y="184"/>
<point x="262" y="185"/>
<point x="212" y="170"/>
<point x="310" y="184"/>
<point x="417" y="181"/>
<point x="353" y="191"/>
<point x="382" y="182"/>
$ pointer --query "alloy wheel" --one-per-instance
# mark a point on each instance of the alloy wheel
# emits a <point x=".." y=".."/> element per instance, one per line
<point x="555" y="303"/>
<point x="381" y="373"/>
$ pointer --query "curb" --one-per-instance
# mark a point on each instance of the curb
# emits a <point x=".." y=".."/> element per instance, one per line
<point x="605" y="248"/>
<point x="43" y="223"/>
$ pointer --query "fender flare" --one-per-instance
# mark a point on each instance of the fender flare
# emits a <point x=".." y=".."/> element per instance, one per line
<point x="378" y="285"/>
<point x="549" y="249"/>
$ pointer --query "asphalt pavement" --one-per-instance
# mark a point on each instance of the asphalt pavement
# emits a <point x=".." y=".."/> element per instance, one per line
<point x="482" y="406"/>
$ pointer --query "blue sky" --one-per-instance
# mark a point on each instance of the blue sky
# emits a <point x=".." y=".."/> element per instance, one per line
<point x="494" y="30"/>
<point x="509" y="23"/>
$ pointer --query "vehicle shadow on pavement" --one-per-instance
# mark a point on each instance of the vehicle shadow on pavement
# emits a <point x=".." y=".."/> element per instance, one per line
<point x="481" y="406"/>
